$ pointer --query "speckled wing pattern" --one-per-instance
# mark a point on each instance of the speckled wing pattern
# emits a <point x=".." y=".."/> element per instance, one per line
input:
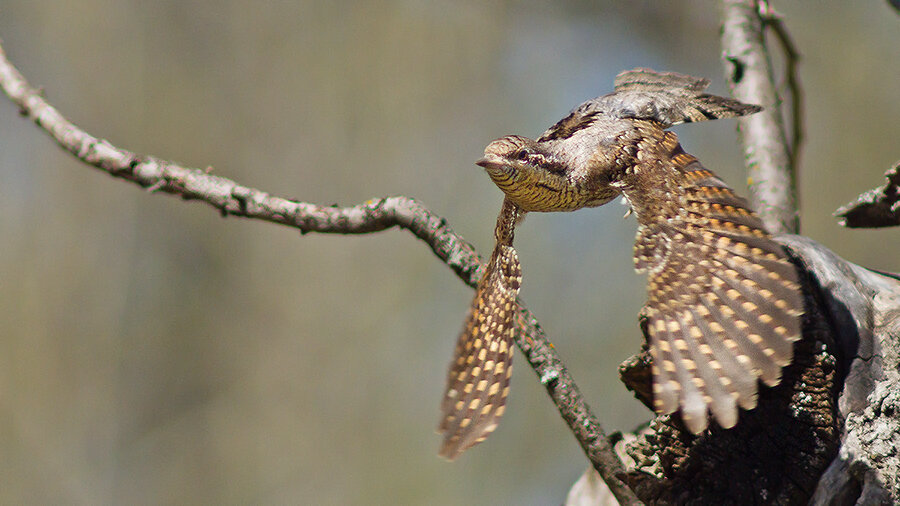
<point x="478" y="380"/>
<point x="723" y="302"/>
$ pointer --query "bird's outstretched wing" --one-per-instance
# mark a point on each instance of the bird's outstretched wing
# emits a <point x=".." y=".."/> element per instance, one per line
<point x="723" y="303"/>
<point x="478" y="380"/>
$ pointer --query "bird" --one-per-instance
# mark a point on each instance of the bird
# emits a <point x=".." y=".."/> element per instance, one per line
<point x="724" y="303"/>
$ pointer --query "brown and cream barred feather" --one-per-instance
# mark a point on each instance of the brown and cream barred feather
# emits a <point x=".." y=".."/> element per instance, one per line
<point x="478" y="381"/>
<point x="723" y="302"/>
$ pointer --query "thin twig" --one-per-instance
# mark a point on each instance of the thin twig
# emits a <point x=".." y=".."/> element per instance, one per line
<point x="766" y="148"/>
<point x="233" y="199"/>
<point x="791" y="63"/>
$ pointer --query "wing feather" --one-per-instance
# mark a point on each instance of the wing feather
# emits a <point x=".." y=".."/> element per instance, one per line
<point x="719" y="396"/>
<point x="666" y="389"/>
<point x="478" y="380"/>
<point x="737" y="377"/>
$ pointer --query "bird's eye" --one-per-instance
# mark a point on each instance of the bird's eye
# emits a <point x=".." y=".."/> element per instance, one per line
<point x="522" y="155"/>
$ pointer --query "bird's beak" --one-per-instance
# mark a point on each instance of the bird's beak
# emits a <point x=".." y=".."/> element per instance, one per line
<point x="490" y="162"/>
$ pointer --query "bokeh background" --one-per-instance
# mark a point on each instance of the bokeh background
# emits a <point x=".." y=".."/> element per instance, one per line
<point x="152" y="352"/>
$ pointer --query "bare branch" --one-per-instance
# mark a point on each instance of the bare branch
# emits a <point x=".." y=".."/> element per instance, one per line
<point x="234" y="199"/>
<point x="769" y="159"/>
<point x="574" y="410"/>
<point x="875" y="208"/>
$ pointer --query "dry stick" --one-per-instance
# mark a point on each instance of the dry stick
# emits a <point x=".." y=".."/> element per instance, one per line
<point x="231" y="198"/>
<point x="769" y="160"/>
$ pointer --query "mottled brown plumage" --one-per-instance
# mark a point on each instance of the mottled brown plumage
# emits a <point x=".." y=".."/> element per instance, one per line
<point x="723" y="301"/>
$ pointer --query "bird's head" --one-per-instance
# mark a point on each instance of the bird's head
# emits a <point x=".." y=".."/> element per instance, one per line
<point x="537" y="179"/>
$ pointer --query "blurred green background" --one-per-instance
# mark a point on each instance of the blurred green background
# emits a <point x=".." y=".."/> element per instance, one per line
<point x="152" y="352"/>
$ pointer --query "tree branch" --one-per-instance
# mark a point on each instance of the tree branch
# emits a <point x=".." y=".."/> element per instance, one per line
<point x="769" y="159"/>
<point x="234" y="199"/>
<point x="875" y="208"/>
